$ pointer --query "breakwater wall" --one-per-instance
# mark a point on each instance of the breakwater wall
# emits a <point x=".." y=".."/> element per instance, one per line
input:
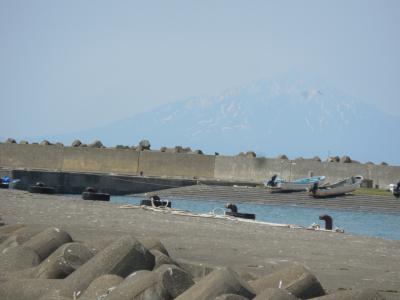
<point x="182" y="165"/>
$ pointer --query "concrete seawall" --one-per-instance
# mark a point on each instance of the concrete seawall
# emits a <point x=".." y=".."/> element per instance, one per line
<point x="189" y="166"/>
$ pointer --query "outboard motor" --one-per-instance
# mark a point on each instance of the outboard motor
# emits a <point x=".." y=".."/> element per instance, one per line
<point x="232" y="207"/>
<point x="328" y="221"/>
<point x="272" y="181"/>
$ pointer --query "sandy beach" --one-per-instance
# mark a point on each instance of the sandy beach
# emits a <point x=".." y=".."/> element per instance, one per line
<point x="340" y="261"/>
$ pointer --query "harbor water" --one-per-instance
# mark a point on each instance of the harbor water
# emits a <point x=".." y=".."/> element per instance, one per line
<point x="381" y="225"/>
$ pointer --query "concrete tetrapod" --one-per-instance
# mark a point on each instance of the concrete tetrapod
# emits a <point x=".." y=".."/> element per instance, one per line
<point x="58" y="265"/>
<point x="48" y="241"/>
<point x="154" y="244"/>
<point x="18" y="258"/>
<point x="167" y="282"/>
<point x="196" y="269"/>
<point x="174" y="280"/>
<point x="65" y="260"/>
<point x="367" y="294"/>
<point x="161" y="259"/>
<point x="275" y="294"/>
<point x="143" y="285"/>
<point x="297" y="279"/>
<point x="121" y="257"/>
<point x="230" y="297"/>
<point x="218" y="282"/>
<point x="101" y="287"/>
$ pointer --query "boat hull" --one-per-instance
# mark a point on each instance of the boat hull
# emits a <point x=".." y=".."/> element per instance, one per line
<point x="337" y="189"/>
<point x="95" y="196"/>
<point x="240" y="215"/>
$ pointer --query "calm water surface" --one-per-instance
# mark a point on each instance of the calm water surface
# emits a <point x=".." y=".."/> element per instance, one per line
<point x="362" y="223"/>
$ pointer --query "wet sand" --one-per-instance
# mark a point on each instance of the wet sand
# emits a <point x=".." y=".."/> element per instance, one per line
<point x="340" y="261"/>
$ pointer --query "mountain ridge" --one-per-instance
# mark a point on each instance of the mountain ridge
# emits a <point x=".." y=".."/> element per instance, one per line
<point x="297" y="118"/>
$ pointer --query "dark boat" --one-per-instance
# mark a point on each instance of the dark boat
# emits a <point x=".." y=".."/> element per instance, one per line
<point x="4" y="182"/>
<point x="156" y="201"/>
<point x="91" y="194"/>
<point x="41" y="188"/>
<point x="240" y="215"/>
<point x="234" y="212"/>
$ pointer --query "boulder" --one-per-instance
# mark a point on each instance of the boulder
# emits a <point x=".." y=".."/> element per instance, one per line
<point x="333" y="159"/>
<point x="11" y="141"/>
<point x="178" y="149"/>
<point x="45" y="143"/>
<point x="316" y="158"/>
<point x="23" y="142"/>
<point x="96" y="144"/>
<point x="345" y="159"/>
<point x="186" y="150"/>
<point x="76" y="143"/>
<point x="282" y="156"/>
<point x="250" y="154"/>
<point x="369" y="163"/>
<point x="384" y="163"/>
<point x="144" y="145"/>
<point x="198" y="151"/>
<point x="163" y="149"/>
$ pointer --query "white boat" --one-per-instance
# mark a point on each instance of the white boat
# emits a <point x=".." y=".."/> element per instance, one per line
<point x="280" y="185"/>
<point x="342" y="187"/>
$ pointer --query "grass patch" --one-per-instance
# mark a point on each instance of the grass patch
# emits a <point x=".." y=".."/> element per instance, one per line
<point x="373" y="192"/>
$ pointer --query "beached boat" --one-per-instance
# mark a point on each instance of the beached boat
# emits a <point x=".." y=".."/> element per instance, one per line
<point x="4" y="182"/>
<point x="280" y="185"/>
<point x="344" y="186"/>
<point x="91" y="193"/>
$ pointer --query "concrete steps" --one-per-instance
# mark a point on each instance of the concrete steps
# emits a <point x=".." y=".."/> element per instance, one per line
<point x="264" y="196"/>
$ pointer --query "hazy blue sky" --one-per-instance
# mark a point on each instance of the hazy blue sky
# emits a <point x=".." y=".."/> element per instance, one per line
<point x="70" y="65"/>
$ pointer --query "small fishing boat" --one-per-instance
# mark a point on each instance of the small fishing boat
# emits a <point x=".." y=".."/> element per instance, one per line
<point x="41" y="188"/>
<point x="234" y="212"/>
<point x="91" y="193"/>
<point x="155" y="201"/>
<point x="342" y="187"/>
<point x="4" y="182"/>
<point x="276" y="184"/>
<point x="395" y="189"/>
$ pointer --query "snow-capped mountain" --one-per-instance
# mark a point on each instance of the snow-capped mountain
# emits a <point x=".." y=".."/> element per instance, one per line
<point x="296" y="118"/>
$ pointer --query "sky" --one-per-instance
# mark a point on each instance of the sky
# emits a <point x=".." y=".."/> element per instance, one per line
<point x="72" y="65"/>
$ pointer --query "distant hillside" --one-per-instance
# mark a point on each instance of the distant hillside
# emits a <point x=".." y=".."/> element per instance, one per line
<point x="268" y="117"/>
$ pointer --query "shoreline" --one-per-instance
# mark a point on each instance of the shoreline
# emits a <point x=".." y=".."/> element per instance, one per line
<point x="340" y="261"/>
